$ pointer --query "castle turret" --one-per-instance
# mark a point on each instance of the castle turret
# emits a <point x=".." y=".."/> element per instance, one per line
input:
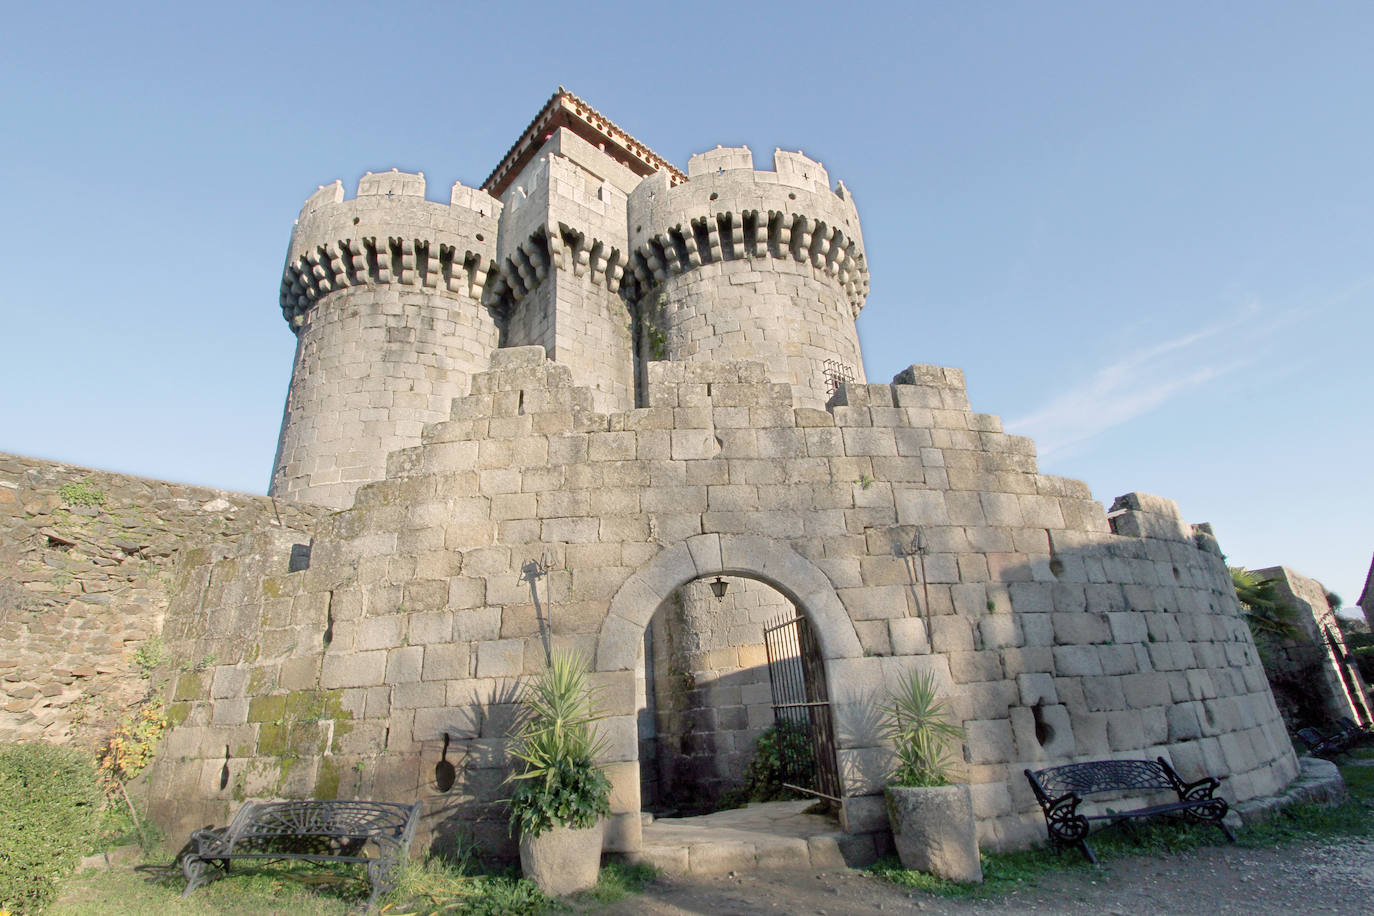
<point x="744" y="264"/>
<point x="563" y="246"/>
<point x="384" y="293"/>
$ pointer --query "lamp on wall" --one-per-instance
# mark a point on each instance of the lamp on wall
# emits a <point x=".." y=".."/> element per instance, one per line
<point x="718" y="588"/>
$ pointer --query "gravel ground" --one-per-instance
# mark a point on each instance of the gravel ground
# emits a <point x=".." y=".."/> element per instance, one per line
<point x="1334" y="878"/>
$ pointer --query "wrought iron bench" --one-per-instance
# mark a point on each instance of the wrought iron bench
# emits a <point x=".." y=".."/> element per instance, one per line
<point x="312" y="831"/>
<point x="1327" y="747"/>
<point x="1060" y="790"/>
<point x="1354" y="733"/>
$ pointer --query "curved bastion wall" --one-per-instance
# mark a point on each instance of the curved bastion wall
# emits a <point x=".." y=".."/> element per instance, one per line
<point x="743" y="264"/>
<point x="1058" y="630"/>
<point x="384" y="295"/>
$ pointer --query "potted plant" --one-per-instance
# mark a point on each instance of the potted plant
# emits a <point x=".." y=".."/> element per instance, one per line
<point x="561" y="795"/>
<point x="931" y="815"/>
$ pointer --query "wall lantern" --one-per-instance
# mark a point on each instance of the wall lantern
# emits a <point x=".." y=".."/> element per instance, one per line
<point x="718" y="588"/>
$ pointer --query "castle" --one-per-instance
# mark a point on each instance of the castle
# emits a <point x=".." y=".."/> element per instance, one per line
<point x="602" y="404"/>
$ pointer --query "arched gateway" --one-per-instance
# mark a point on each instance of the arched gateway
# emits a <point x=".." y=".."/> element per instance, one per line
<point x="620" y="656"/>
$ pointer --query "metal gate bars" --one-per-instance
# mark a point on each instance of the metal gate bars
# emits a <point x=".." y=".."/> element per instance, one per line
<point x="801" y="708"/>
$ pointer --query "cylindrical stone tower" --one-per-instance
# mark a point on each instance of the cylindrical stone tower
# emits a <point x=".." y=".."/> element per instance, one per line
<point x="744" y="264"/>
<point x="384" y="295"/>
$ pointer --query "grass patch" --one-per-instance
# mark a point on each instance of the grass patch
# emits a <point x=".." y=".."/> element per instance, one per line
<point x="157" y="889"/>
<point x="1005" y="872"/>
<point x="619" y="881"/>
<point x="430" y="887"/>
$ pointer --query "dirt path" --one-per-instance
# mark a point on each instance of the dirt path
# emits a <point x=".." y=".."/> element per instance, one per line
<point x="1336" y="878"/>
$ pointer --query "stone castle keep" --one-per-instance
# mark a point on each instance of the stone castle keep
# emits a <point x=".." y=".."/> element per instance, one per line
<point x="555" y="410"/>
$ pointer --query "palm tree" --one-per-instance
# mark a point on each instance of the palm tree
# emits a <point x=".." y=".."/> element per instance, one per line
<point x="1264" y="611"/>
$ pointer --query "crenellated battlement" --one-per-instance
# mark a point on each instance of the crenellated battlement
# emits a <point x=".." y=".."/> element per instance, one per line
<point x="728" y="211"/>
<point x="389" y="233"/>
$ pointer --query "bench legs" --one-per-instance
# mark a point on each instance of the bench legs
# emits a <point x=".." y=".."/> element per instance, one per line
<point x="200" y="872"/>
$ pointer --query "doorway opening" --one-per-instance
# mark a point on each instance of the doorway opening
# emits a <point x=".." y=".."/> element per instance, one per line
<point x="733" y="698"/>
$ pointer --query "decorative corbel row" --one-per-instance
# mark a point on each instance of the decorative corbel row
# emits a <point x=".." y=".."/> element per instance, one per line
<point x="555" y="246"/>
<point x="729" y="236"/>
<point x="378" y="261"/>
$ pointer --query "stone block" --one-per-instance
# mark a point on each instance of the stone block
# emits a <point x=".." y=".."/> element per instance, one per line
<point x="501" y="658"/>
<point x="908" y="636"/>
<point x="353" y="669"/>
<point x="863" y="814"/>
<point x="1118" y="660"/>
<point x="1125" y="731"/>
<point x="1080" y="629"/>
<point x="403" y="665"/>
<point x="951" y="633"/>
<point x="1090" y="735"/>
<point x="1146" y="690"/>
<point x="418" y="695"/>
<point x="970" y="667"/>
<point x="921" y="507"/>
<point x="1077" y="661"/>
<point x="989" y="741"/>
<point x="1036" y="689"/>
<point x="999" y="631"/>
<point x="444" y="662"/>
<point x="1037" y="629"/>
<point x="1103" y="693"/>
<point x="228" y="681"/>
<point x="380" y="632"/>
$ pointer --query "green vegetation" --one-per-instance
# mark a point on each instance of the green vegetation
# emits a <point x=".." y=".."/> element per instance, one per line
<point x="152" y="653"/>
<point x="559" y="784"/>
<point x="917" y="723"/>
<point x="782" y="755"/>
<point x="49" y="803"/>
<point x="1301" y="825"/>
<point x="81" y="493"/>
<point x="435" y="886"/>
<point x="1264" y="612"/>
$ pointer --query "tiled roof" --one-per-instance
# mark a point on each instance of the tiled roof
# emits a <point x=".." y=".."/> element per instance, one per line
<point x="564" y="109"/>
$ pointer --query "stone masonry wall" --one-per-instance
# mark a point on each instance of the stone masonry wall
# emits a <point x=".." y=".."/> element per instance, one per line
<point x="373" y="366"/>
<point x="770" y="310"/>
<point x="83" y="587"/>
<point x="1309" y="673"/>
<point x="912" y="532"/>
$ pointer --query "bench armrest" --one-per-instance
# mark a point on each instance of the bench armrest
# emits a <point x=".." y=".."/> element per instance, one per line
<point x="1062" y="819"/>
<point x="211" y="840"/>
<point x="1202" y="788"/>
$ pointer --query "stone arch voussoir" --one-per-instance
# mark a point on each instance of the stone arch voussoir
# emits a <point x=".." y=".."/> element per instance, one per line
<point x="749" y="556"/>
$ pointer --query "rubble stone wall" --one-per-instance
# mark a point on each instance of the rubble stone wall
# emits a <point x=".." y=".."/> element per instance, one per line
<point x="86" y="561"/>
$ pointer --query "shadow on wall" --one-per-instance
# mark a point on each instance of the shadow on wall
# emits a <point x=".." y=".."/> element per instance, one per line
<point x="462" y="772"/>
<point x="1054" y="648"/>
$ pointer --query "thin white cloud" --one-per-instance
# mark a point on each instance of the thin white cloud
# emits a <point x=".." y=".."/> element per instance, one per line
<point x="1139" y="381"/>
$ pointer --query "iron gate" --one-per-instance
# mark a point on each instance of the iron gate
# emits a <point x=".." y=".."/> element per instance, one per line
<point x="801" y="708"/>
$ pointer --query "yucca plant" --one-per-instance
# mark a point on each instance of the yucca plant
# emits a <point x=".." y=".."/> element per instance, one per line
<point x="917" y="723"/>
<point x="559" y="783"/>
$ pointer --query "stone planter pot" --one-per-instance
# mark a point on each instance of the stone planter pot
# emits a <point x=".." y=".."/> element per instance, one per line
<point x="563" y="860"/>
<point x="933" y="829"/>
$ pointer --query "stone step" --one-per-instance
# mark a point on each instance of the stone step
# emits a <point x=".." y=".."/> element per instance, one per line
<point x="761" y="837"/>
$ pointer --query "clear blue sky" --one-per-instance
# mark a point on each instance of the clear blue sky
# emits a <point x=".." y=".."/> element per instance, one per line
<point x="1144" y="231"/>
